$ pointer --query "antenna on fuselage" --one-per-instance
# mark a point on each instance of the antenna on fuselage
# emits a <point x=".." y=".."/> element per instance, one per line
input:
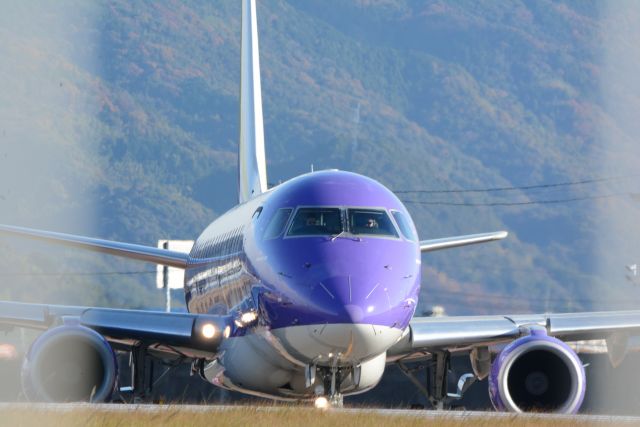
<point x="252" y="169"/>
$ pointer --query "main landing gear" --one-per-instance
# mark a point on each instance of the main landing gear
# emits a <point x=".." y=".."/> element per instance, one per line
<point x="143" y="379"/>
<point x="438" y="376"/>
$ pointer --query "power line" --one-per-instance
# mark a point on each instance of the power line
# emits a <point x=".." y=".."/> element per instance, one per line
<point x="529" y="202"/>
<point x="521" y="187"/>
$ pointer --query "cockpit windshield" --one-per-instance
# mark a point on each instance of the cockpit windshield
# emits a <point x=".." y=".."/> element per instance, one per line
<point x="330" y="221"/>
<point x="370" y="221"/>
<point x="316" y="221"/>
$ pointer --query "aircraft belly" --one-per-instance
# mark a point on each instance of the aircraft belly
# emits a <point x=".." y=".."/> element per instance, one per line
<point x="251" y="364"/>
<point x="271" y="362"/>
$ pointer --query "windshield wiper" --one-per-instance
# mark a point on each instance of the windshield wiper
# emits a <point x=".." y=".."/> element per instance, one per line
<point x="342" y="233"/>
<point x="338" y="235"/>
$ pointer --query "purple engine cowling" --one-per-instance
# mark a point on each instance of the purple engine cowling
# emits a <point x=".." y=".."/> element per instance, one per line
<point x="70" y="363"/>
<point x="537" y="373"/>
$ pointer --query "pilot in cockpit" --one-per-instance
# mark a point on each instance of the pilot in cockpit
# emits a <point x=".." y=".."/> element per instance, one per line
<point x="371" y="223"/>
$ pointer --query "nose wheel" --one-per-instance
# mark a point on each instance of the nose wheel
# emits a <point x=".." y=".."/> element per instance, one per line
<point x="323" y="402"/>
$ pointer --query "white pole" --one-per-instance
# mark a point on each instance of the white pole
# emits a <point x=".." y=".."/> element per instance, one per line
<point x="165" y="282"/>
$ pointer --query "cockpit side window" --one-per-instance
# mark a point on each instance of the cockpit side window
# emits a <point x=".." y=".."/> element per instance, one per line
<point x="371" y="221"/>
<point x="277" y="223"/>
<point x="405" y="226"/>
<point x="316" y="221"/>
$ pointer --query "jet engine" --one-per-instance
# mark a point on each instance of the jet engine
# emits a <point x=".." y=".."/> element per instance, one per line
<point x="69" y="364"/>
<point x="537" y="373"/>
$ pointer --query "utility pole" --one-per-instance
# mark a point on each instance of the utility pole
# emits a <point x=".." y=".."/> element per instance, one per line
<point x="165" y="282"/>
<point x="168" y="278"/>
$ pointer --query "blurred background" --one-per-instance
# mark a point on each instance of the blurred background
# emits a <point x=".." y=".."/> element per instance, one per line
<point x="119" y="120"/>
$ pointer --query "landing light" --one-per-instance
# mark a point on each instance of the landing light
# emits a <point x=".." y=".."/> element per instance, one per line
<point x="248" y="317"/>
<point x="321" y="403"/>
<point x="245" y="319"/>
<point x="208" y="331"/>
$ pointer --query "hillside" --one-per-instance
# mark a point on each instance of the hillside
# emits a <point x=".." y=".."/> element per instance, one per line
<point x="120" y="120"/>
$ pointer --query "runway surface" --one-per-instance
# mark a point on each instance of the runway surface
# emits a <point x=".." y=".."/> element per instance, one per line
<point x="404" y="413"/>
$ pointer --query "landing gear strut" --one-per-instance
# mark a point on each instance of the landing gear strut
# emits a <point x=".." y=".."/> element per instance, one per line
<point x="335" y="397"/>
<point x="438" y="372"/>
<point x="142" y="366"/>
<point x="141" y="376"/>
<point x="329" y="392"/>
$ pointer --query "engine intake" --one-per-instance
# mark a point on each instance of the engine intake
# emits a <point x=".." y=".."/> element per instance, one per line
<point x="537" y="373"/>
<point x="69" y="364"/>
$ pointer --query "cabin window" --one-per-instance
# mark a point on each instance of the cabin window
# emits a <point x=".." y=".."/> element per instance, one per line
<point x="277" y="223"/>
<point x="405" y="226"/>
<point x="316" y="221"/>
<point x="370" y="221"/>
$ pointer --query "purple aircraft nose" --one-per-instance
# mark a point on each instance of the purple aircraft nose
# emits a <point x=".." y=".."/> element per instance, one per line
<point x="370" y="298"/>
<point x="336" y="247"/>
<point x="362" y="281"/>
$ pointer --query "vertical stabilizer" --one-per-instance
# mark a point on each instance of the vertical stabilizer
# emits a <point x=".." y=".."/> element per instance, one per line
<point x="251" y="159"/>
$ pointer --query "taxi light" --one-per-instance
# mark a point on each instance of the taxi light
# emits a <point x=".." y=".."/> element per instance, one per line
<point x="208" y="330"/>
<point x="322" y="403"/>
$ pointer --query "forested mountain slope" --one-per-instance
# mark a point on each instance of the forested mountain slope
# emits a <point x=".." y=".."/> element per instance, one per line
<point x="120" y="120"/>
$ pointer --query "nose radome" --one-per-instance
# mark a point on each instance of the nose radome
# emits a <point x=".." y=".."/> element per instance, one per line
<point x="344" y="342"/>
<point x="344" y="288"/>
<point x="362" y="328"/>
<point x="355" y="313"/>
<point x="359" y="298"/>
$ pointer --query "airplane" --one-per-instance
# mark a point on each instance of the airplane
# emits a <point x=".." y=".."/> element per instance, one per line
<point x="304" y="291"/>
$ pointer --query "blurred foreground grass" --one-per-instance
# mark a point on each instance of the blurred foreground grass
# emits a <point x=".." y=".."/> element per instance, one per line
<point x="121" y="415"/>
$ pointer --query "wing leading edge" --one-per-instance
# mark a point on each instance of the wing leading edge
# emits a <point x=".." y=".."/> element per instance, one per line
<point x="456" y="241"/>
<point x="126" y="250"/>
<point x="129" y="327"/>
<point x="463" y="332"/>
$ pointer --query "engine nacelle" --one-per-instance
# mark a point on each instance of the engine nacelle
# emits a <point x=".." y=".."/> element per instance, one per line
<point x="69" y="364"/>
<point x="538" y="373"/>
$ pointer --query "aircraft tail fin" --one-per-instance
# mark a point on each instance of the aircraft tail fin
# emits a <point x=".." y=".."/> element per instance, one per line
<point x="251" y="157"/>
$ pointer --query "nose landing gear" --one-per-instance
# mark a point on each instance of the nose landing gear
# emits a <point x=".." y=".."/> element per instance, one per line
<point x="335" y="397"/>
<point x="329" y="395"/>
<point x="335" y="377"/>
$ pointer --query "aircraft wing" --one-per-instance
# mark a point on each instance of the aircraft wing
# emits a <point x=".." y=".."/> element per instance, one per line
<point x="456" y="241"/>
<point x="465" y="332"/>
<point x="189" y="332"/>
<point x="127" y="250"/>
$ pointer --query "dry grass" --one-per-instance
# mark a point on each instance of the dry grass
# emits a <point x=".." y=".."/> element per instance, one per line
<point x="120" y="415"/>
